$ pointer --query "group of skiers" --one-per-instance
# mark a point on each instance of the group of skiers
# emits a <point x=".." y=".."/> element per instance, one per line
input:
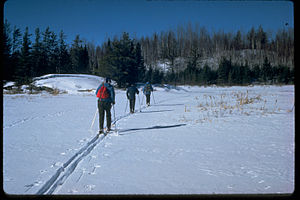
<point x="106" y="98"/>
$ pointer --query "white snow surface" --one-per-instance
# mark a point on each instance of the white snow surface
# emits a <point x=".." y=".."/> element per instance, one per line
<point x="191" y="140"/>
<point x="70" y="83"/>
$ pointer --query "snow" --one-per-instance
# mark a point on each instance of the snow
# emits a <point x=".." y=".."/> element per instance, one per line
<point x="70" y="83"/>
<point x="191" y="140"/>
<point x="8" y="84"/>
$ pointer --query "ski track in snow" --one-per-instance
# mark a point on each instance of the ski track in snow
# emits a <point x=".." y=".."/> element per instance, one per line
<point x="59" y="177"/>
<point x="67" y="168"/>
<point x="19" y="122"/>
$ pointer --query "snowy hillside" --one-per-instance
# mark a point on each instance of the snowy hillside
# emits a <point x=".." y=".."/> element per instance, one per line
<point x="71" y="83"/>
<point x="191" y="140"/>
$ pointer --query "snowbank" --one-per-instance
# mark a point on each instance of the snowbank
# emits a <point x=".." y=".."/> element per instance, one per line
<point x="71" y="83"/>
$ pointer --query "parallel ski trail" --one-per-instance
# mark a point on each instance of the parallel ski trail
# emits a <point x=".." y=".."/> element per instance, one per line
<point x="60" y="176"/>
<point x="68" y="167"/>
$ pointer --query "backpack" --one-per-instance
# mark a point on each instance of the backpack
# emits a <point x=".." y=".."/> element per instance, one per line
<point x="148" y="88"/>
<point x="103" y="92"/>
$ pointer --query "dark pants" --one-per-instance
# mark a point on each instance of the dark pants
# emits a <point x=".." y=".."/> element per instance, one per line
<point x="148" y="98"/>
<point x="132" y="105"/>
<point x="104" y="107"/>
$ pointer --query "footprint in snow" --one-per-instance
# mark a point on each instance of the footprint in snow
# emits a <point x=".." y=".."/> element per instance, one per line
<point x="107" y="144"/>
<point x="43" y="171"/>
<point x="36" y="183"/>
<point x="82" y="140"/>
<point x="90" y="187"/>
<point x="57" y="164"/>
<point x="8" y="179"/>
<point x="267" y="187"/>
<point x="72" y="191"/>
<point x="106" y="155"/>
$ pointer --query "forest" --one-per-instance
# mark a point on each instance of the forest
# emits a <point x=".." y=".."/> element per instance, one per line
<point x="188" y="55"/>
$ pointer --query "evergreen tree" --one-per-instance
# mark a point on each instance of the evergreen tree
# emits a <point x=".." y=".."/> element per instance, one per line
<point x="37" y="56"/>
<point x="139" y="63"/>
<point x="223" y="71"/>
<point x="16" y="41"/>
<point x="79" y="56"/>
<point x="54" y="50"/>
<point x="123" y="63"/>
<point x="46" y="53"/>
<point x="64" y="61"/>
<point x="266" y="70"/>
<point x="246" y="76"/>
<point x="84" y="60"/>
<point x="256" y="73"/>
<point x="7" y="72"/>
<point x="106" y="64"/>
<point x="75" y="54"/>
<point x="206" y="74"/>
<point x="16" y="50"/>
<point x="24" y="69"/>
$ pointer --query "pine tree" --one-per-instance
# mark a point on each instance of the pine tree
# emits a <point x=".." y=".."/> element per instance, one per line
<point x="123" y="62"/>
<point x="54" y="50"/>
<point x="7" y="72"/>
<point x="16" y="41"/>
<point x="223" y="71"/>
<point x="266" y="70"/>
<point x="79" y="56"/>
<point x="46" y="52"/>
<point x="64" y="61"/>
<point x="75" y="54"/>
<point x="24" y="69"/>
<point x="84" y="60"/>
<point x="139" y="63"/>
<point x="37" y="55"/>
<point x="16" y="50"/>
<point x="206" y="74"/>
<point x="105" y="68"/>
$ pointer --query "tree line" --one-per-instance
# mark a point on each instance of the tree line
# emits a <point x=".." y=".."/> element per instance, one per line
<point x="196" y="43"/>
<point x="193" y="55"/>
<point x="47" y="54"/>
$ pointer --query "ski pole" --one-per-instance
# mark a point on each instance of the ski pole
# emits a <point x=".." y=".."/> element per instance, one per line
<point x="153" y="97"/>
<point x="126" y="106"/>
<point x="115" y="116"/>
<point x="143" y="100"/>
<point x="94" y="119"/>
<point x="140" y="103"/>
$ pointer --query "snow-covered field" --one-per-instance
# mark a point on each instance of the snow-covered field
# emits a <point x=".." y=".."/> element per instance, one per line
<point x="191" y="140"/>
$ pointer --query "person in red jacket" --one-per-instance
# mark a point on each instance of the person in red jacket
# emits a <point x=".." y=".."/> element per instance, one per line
<point x="106" y="97"/>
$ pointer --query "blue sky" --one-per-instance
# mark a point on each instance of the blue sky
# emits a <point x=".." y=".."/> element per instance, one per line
<point x="97" y="20"/>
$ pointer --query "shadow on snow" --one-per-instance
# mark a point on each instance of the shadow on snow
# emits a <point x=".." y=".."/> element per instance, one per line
<point x="153" y="111"/>
<point x="175" y="104"/>
<point x="149" y="128"/>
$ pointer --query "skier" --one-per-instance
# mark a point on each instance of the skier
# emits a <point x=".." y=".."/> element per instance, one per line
<point x="131" y="91"/>
<point x="147" y="91"/>
<point x="106" y="97"/>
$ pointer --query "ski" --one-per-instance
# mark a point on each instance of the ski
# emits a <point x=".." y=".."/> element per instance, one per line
<point x="105" y="131"/>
